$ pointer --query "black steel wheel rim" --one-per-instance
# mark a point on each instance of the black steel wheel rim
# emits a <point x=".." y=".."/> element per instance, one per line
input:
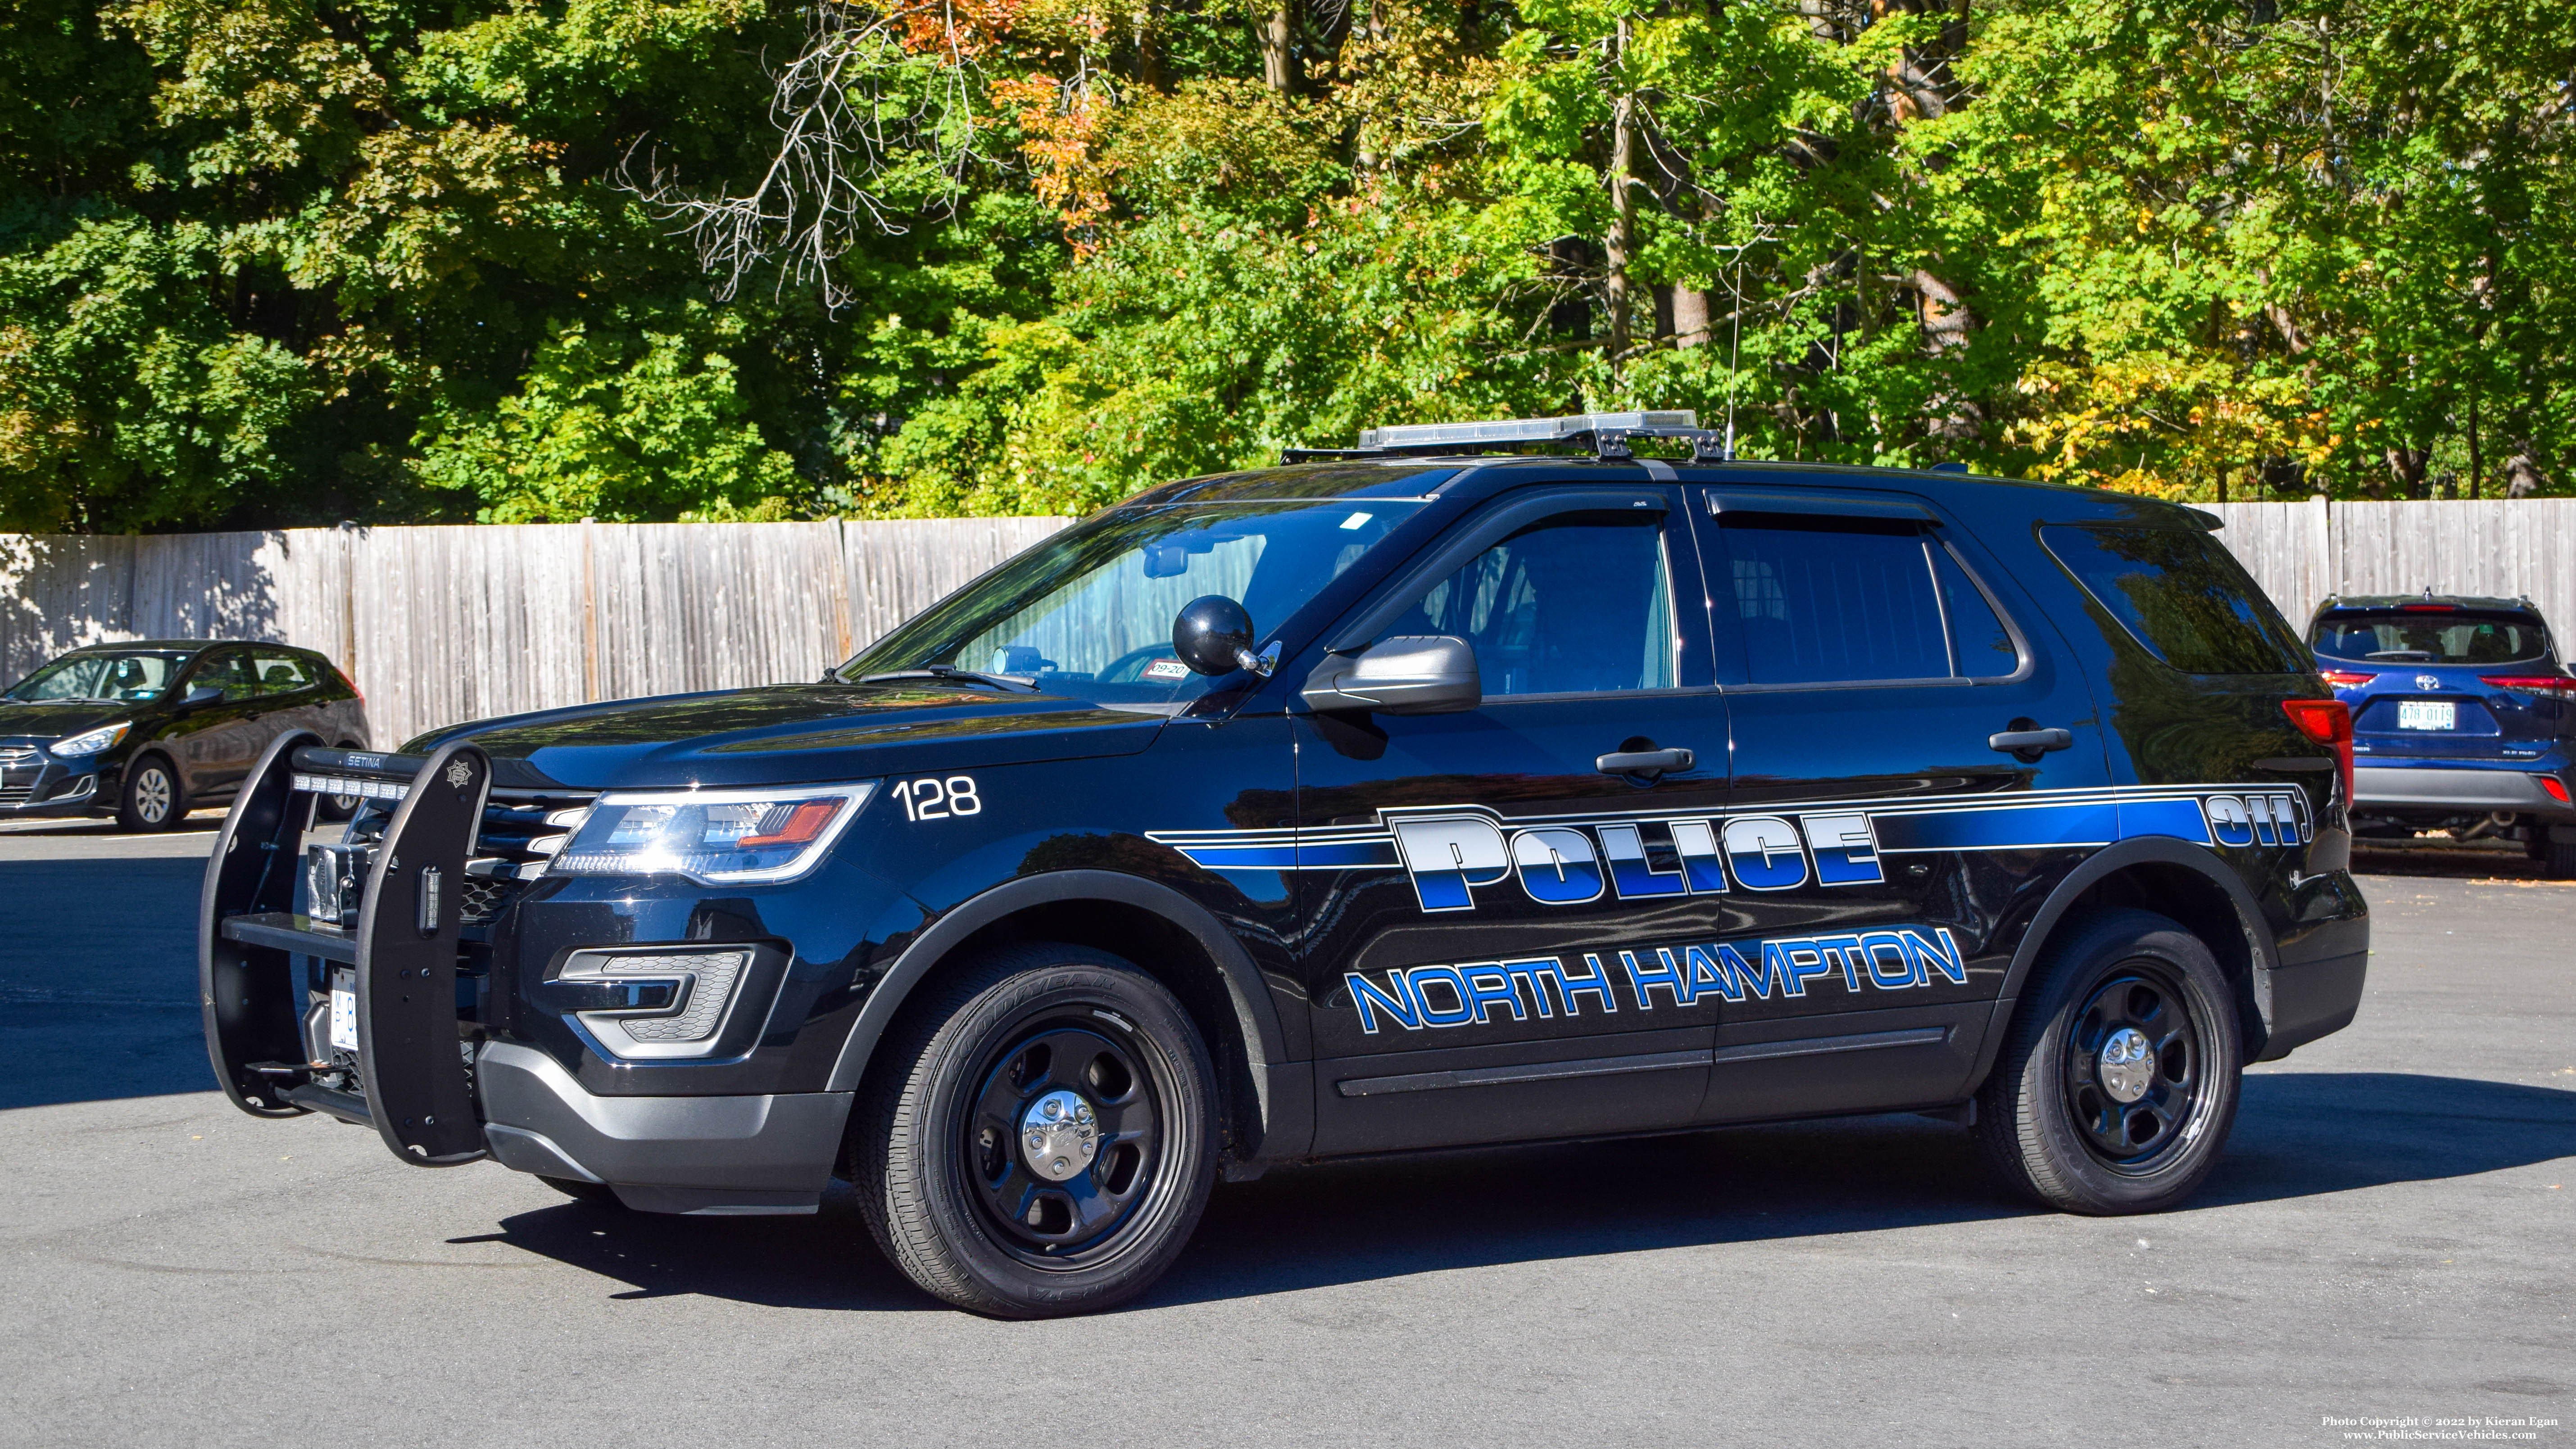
<point x="2137" y="1005"/>
<point x="1081" y="1219"/>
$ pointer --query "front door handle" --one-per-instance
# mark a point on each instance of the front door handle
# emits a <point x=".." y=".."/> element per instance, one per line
<point x="1644" y="762"/>
<point x="2029" y="744"/>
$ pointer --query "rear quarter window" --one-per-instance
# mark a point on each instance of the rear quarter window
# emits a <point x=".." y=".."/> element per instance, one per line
<point x="2180" y="593"/>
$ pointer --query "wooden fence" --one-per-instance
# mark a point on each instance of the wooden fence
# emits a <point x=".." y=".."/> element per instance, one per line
<point x="438" y="625"/>
<point x="2510" y="548"/>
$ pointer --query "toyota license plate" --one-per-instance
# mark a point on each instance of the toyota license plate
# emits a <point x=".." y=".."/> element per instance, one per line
<point x="2427" y="714"/>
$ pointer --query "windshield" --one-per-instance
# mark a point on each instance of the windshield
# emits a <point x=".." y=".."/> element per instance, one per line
<point x="101" y="676"/>
<point x="1089" y="612"/>
<point x="2398" y="636"/>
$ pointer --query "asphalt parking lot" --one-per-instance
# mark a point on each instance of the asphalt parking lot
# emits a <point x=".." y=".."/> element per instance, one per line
<point x="2391" y="1234"/>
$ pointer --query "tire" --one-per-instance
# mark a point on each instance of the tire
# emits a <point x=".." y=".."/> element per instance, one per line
<point x="153" y="798"/>
<point x="336" y="808"/>
<point x="2056" y="1122"/>
<point x="967" y="1203"/>
<point x="596" y="1194"/>
<point x="2557" y="859"/>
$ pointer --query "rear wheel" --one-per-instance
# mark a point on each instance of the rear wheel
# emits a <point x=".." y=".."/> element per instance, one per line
<point x="2117" y="1087"/>
<point x="1040" y="1139"/>
<point x="2557" y="857"/>
<point x="153" y="798"/>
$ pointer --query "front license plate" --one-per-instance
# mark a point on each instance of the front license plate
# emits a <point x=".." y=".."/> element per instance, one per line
<point x="2427" y="714"/>
<point x="344" y="1019"/>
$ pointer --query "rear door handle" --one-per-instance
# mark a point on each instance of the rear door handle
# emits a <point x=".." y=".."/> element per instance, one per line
<point x="1644" y="762"/>
<point x="2032" y="743"/>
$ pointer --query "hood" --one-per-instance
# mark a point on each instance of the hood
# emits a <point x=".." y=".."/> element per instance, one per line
<point x="60" y="719"/>
<point x="794" y="734"/>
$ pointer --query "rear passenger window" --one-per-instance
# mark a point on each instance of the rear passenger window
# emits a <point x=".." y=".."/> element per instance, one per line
<point x="282" y="673"/>
<point x="1850" y="600"/>
<point x="2181" y="594"/>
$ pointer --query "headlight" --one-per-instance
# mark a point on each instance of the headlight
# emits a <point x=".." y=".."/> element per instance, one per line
<point x="92" y="742"/>
<point x="718" y="837"/>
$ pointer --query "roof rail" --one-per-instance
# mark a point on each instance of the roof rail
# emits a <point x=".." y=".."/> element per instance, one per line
<point x="1607" y="434"/>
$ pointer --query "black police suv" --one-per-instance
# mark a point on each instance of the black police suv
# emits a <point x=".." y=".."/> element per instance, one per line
<point x="1404" y="797"/>
<point x="149" y="731"/>
<point x="2463" y="718"/>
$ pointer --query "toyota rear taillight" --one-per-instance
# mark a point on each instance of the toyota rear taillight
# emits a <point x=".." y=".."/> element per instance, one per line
<point x="2328" y="722"/>
<point x="2346" y="679"/>
<point x="2538" y="683"/>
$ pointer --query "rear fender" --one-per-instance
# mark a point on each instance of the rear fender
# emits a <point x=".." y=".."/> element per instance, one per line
<point x="2255" y="991"/>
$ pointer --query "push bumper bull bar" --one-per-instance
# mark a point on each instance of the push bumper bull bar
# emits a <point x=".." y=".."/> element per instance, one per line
<point x="415" y="1065"/>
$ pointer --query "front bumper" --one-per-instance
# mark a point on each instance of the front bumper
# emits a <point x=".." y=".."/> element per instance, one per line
<point x="53" y="788"/>
<point x="703" y="1155"/>
<point x="2446" y="786"/>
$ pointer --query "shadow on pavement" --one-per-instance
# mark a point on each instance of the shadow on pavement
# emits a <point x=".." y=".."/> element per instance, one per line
<point x="2300" y="1134"/>
<point x="98" y="978"/>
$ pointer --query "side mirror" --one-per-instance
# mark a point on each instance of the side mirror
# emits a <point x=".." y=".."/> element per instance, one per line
<point x="202" y="694"/>
<point x="1408" y="674"/>
<point x="1213" y="635"/>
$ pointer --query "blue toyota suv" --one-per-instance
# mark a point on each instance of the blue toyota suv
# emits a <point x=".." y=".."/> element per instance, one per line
<point x="1412" y="796"/>
<point x="2463" y="718"/>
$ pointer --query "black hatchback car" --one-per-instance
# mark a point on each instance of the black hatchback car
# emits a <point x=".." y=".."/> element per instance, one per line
<point x="1404" y="797"/>
<point x="151" y="730"/>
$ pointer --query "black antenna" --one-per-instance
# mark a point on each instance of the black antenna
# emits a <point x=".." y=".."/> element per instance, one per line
<point x="1734" y="353"/>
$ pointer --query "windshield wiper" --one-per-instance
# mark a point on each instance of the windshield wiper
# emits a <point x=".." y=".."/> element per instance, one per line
<point x="1009" y="683"/>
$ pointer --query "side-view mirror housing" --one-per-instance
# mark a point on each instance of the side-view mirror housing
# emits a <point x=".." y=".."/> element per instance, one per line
<point x="1407" y="674"/>
<point x="1213" y="635"/>
<point x="202" y="694"/>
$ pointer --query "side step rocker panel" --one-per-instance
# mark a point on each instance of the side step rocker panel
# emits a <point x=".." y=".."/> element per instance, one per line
<point x="419" y="1083"/>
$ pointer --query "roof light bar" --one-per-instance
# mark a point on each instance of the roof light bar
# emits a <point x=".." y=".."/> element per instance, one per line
<point x="1608" y="434"/>
<point x="1528" y="430"/>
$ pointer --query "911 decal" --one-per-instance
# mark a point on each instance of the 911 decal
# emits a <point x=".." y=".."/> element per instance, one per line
<point x="1421" y="998"/>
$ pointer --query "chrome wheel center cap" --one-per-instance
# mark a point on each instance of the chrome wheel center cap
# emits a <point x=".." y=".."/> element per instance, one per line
<point x="2128" y="1064"/>
<point x="1059" y="1135"/>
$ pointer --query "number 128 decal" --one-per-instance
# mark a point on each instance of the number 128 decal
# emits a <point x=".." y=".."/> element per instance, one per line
<point x="938" y="799"/>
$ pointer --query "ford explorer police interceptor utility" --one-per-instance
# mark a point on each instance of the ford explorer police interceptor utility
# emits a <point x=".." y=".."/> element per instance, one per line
<point x="1401" y="797"/>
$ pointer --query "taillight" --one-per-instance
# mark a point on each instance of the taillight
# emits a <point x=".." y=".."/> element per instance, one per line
<point x="2328" y="722"/>
<point x="2346" y="679"/>
<point x="2556" y="787"/>
<point x="2540" y="683"/>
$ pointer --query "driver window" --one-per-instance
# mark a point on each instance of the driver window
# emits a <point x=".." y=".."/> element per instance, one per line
<point x="1579" y="604"/>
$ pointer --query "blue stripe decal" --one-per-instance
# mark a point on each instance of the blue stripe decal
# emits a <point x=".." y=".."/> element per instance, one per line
<point x="2026" y="827"/>
<point x="1244" y="857"/>
<point x="2180" y="819"/>
<point x="1329" y="855"/>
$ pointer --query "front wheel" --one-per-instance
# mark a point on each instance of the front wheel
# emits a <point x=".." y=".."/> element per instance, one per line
<point x="1040" y="1137"/>
<point x="153" y="798"/>
<point x="2116" y="1089"/>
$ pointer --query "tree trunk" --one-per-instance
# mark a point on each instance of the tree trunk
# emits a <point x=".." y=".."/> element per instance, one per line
<point x="2406" y="470"/>
<point x="1690" y="317"/>
<point x="1622" y="241"/>
<point x="2522" y="475"/>
<point x="1272" y="30"/>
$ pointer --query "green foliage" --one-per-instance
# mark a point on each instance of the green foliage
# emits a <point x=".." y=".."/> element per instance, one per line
<point x="290" y="261"/>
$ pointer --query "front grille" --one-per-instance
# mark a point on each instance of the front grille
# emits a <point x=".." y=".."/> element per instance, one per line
<point x="480" y="899"/>
<point x="17" y="755"/>
<point x="15" y="794"/>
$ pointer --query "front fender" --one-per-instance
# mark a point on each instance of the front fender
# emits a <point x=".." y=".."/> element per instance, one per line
<point x="1284" y="1097"/>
